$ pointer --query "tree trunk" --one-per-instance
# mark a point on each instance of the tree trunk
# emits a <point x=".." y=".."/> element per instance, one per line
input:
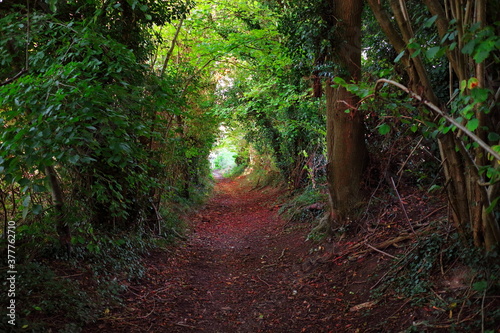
<point x="62" y="226"/>
<point x="347" y="153"/>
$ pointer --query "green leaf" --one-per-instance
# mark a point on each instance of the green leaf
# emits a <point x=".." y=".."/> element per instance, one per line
<point x="463" y="85"/>
<point x="430" y="21"/>
<point x="434" y="188"/>
<point x="473" y="124"/>
<point x="27" y="200"/>
<point x="416" y="53"/>
<point x="37" y="209"/>
<point x="399" y="56"/>
<point x="384" y="129"/>
<point x="52" y="5"/>
<point x="338" y="80"/>
<point x="492" y="206"/>
<point x="472" y="83"/>
<point x="492" y="136"/>
<point x="74" y="159"/>
<point x="480" y="95"/>
<point x="433" y="51"/>
<point x="469" y="47"/>
<point x="480" y="286"/>
<point x="484" y="49"/>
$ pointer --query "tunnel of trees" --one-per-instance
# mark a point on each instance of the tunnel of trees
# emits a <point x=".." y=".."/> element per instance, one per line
<point x="113" y="115"/>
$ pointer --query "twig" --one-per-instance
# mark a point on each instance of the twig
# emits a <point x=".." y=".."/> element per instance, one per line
<point x="263" y="281"/>
<point x="431" y="213"/>
<point x="396" y="268"/>
<point x="400" y="171"/>
<point x="282" y="254"/>
<point x="68" y="276"/>
<point x="466" y="298"/>
<point x="144" y="317"/>
<point x="402" y="205"/>
<point x="380" y="251"/>
<point x="15" y="77"/>
<point x="482" y="310"/>
<point x="188" y="326"/>
<point x="178" y="234"/>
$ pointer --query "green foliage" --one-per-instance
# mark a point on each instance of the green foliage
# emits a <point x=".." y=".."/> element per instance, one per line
<point x="224" y="160"/>
<point x="41" y="293"/>
<point x="76" y="96"/>
<point x="308" y="30"/>
<point x="77" y="110"/>
<point x="101" y="262"/>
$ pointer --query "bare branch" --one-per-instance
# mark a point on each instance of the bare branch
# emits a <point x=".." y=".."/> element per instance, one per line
<point x="15" y="77"/>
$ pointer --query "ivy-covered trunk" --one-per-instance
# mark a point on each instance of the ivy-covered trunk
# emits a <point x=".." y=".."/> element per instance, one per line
<point x="347" y="153"/>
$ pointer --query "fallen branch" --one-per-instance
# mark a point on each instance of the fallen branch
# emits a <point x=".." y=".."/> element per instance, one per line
<point x="380" y="251"/>
<point x="396" y="267"/>
<point x="431" y="213"/>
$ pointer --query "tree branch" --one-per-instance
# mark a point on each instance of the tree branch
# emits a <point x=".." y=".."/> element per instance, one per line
<point x="15" y="77"/>
<point x="440" y="113"/>
<point x="172" y="46"/>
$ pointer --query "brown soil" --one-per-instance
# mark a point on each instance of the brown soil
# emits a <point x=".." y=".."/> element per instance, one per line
<point x="244" y="269"/>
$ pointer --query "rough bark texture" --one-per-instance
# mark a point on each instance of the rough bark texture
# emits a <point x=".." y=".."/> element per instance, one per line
<point x="347" y="152"/>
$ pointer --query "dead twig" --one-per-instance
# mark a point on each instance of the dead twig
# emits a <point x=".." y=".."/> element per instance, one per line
<point x="402" y="205"/>
<point x="68" y="276"/>
<point x="396" y="268"/>
<point x="282" y="254"/>
<point x="188" y="326"/>
<point x="400" y="171"/>
<point x="380" y="251"/>
<point x="263" y="281"/>
<point x="431" y="213"/>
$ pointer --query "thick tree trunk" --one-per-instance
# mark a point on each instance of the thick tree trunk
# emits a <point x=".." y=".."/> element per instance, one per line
<point x="347" y="153"/>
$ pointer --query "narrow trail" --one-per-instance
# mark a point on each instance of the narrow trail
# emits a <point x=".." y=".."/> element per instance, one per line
<point x="240" y="270"/>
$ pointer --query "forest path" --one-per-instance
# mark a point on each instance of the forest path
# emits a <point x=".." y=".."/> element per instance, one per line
<point x="240" y="270"/>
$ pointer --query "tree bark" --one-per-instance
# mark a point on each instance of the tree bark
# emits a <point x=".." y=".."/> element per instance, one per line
<point x="62" y="226"/>
<point x="347" y="153"/>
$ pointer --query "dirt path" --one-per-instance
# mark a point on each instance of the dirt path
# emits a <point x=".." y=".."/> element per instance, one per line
<point x="241" y="270"/>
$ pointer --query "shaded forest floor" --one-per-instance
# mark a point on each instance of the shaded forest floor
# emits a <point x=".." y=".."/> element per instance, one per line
<point x="245" y="269"/>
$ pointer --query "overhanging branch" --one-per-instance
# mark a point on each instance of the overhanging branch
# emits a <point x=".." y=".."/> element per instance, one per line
<point x="437" y="110"/>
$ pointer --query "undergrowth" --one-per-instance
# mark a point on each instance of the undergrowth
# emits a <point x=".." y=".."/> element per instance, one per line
<point x="238" y="170"/>
<point x="306" y="205"/>
<point x="456" y="282"/>
<point x="57" y="291"/>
